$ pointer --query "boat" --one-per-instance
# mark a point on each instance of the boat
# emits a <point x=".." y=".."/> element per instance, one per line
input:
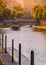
<point x="15" y="27"/>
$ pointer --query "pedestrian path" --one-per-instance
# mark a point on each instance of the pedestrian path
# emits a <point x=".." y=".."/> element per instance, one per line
<point x="24" y="60"/>
<point x="6" y="58"/>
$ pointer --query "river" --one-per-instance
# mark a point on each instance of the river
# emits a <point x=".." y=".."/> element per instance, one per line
<point x="30" y="40"/>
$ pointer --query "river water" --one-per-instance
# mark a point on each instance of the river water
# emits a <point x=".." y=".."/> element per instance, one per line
<point x="30" y="40"/>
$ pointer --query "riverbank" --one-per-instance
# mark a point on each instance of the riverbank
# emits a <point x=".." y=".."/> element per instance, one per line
<point x="7" y="59"/>
<point x="40" y="28"/>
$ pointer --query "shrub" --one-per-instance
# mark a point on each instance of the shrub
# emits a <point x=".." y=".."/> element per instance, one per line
<point x="1" y="62"/>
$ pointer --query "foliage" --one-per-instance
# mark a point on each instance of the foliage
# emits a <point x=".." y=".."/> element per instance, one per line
<point x="13" y="14"/>
<point x="38" y="12"/>
<point x="44" y="6"/>
<point x="16" y="12"/>
<point x="19" y="14"/>
<point x="2" y="7"/>
<point x="18" y="8"/>
<point x="1" y="63"/>
<point x="6" y="14"/>
<point x="20" y="11"/>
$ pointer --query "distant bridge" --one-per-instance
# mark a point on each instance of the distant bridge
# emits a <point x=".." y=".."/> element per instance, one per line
<point x="20" y="21"/>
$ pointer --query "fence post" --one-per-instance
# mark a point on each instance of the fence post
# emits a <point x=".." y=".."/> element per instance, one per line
<point x="19" y="53"/>
<point x="5" y="44"/>
<point x="32" y="57"/>
<point x="12" y="50"/>
<point x="2" y="40"/>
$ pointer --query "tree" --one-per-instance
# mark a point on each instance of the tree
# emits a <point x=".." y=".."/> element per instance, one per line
<point x="13" y="14"/>
<point x="1" y="62"/>
<point x="2" y="7"/>
<point x="44" y="6"/>
<point x="19" y="14"/>
<point x="18" y="8"/>
<point x="6" y="14"/>
<point x="20" y="11"/>
<point x="38" y="13"/>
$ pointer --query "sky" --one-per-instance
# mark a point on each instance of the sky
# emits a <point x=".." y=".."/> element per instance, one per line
<point x="13" y="2"/>
<point x="19" y="0"/>
<point x="32" y="2"/>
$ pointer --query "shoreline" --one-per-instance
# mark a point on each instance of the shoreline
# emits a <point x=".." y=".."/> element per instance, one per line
<point x="39" y="28"/>
<point x="9" y="48"/>
<point x="7" y="57"/>
<point x="24" y="59"/>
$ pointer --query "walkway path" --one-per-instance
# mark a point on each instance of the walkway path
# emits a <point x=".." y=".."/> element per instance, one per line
<point x="7" y="59"/>
<point x="24" y="60"/>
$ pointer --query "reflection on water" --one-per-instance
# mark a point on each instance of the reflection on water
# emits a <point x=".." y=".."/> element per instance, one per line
<point x="30" y="40"/>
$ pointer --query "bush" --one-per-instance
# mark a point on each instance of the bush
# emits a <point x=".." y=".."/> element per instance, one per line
<point x="1" y="62"/>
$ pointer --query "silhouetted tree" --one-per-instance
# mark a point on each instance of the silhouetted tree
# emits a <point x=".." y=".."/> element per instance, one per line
<point x="2" y="8"/>
<point x="44" y="6"/>
<point x="38" y="13"/>
<point x="7" y="14"/>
